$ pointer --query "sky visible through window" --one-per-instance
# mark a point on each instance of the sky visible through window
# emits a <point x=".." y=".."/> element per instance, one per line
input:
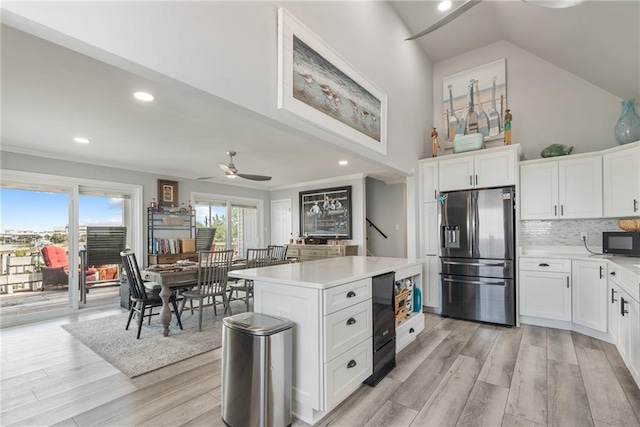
<point x="44" y="211"/>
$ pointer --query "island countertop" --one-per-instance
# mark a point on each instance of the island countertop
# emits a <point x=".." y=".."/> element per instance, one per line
<point x="325" y="273"/>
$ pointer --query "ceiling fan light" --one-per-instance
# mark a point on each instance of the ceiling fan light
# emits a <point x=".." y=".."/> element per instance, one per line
<point x="232" y="176"/>
<point x="444" y="5"/>
<point x="554" y="4"/>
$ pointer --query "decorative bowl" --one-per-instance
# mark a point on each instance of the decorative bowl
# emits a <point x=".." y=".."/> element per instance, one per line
<point x="555" y="150"/>
<point x="629" y="224"/>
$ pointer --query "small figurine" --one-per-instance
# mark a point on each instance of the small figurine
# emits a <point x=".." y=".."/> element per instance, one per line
<point x="507" y="127"/>
<point x="434" y="143"/>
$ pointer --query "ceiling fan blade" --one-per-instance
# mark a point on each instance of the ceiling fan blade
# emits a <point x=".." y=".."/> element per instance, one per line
<point x="207" y="177"/>
<point x="226" y="169"/>
<point x="254" y="177"/>
<point x="447" y="18"/>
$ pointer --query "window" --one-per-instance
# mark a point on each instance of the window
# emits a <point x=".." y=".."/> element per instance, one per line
<point x="237" y="222"/>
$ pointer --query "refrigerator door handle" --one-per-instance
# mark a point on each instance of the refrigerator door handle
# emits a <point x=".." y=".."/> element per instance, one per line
<point x="474" y="282"/>
<point x="474" y="264"/>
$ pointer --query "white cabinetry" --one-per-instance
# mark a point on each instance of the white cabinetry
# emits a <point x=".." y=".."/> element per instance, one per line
<point x="561" y="189"/>
<point x="429" y="238"/>
<point x="621" y="182"/>
<point x="545" y="288"/>
<point x="489" y="169"/>
<point x="429" y="180"/>
<point x="624" y="316"/>
<point x="590" y="294"/>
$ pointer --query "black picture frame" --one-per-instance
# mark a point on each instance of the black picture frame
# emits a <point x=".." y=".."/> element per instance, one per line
<point x="326" y="213"/>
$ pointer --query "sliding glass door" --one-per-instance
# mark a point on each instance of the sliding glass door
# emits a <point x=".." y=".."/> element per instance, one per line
<point x="237" y="222"/>
<point x="56" y="209"/>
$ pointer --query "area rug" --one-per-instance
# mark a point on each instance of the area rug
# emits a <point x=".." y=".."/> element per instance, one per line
<point x="107" y="337"/>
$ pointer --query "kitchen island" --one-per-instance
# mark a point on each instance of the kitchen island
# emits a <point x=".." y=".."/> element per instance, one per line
<point x="330" y="304"/>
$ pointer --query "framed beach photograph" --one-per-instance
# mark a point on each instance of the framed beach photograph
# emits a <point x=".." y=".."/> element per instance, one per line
<point x="168" y="193"/>
<point x="319" y="86"/>
<point x="326" y="213"/>
<point x="474" y="101"/>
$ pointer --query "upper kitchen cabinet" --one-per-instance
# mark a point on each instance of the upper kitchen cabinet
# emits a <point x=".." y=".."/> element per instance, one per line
<point x="561" y="189"/>
<point x="494" y="167"/>
<point x="621" y="179"/>
<point x="429" y="180"/>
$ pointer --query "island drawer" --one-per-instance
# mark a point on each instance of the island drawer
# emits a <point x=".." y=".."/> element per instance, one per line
<point x="553" y="265"/>
<point x="346" y="295"/>
<point x="344" y="374"/>
<point x="406" y="332"/>
<point x="345" y="327"/>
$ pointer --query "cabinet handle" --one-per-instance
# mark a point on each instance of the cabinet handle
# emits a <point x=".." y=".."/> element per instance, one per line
<point x="543" y="264"/>
<point x="601" y="271"/>
<point x="622" y="303"/>
<point x="470" y="180"/>
<point x="635" y="205"/>
<point x="561" y="210"/>
<point x="476" y="179"/>
<point x="351" y="321"/>
<point x="351" y="364"/>
<point x="435" y="194"/>
<point x="613" y="273"/>
<point x="555" y="210"/>
<point x="567" y="282"/>
<point x="411" y="330"/>
<point x="351" y="294"/>
<point x="613" y="299"/>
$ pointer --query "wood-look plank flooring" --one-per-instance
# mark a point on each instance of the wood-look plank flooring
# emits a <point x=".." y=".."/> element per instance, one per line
<point x="456" y="373"/>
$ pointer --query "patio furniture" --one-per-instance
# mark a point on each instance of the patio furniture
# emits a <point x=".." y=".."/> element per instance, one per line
<point x="55" y="272"/>
<point x="104" y="245"/>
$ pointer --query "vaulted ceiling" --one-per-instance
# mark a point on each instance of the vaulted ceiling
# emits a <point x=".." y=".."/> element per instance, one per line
<point x="50" y="92"/>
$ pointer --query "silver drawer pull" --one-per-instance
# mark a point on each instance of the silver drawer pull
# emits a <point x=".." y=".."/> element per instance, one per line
<point x="474" y="264"/>
<point x="474" y="282"/>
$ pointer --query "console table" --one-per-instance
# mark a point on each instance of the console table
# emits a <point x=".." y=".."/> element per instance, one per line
<point x="313" y="252"/>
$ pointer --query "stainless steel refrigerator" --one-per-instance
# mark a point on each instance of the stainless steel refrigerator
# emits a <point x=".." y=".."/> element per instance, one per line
<point x="477" y="231"/>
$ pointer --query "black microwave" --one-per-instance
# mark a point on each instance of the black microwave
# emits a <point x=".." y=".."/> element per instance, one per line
<point x="621" y="243"/>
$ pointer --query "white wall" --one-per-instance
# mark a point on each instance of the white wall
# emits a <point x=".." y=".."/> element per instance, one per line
<point x="385" y="208"/>
<point x="358" y="205"/>
<point x="548" y="104"/>
<point x="228" y="49"/>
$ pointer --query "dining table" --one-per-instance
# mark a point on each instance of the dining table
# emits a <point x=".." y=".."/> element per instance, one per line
<point x="173" y="276"/>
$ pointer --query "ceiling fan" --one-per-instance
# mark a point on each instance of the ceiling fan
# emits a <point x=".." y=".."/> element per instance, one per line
<point x="554" y="4"/>
<point x="231" y="171"/>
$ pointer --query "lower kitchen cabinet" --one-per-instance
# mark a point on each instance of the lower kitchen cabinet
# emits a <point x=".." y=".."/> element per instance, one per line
<point x="590" y="294"/>
<point x="431" y="295"/>
<point x="545" y="288"/>
<point x="624" y="318"/>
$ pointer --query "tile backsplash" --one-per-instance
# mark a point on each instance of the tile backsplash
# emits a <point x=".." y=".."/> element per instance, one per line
<point x="565" y="232"/>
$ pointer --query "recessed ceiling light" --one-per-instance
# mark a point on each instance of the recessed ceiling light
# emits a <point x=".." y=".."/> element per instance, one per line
<point x="81" y="140"/>
<point x="144" y="96"/>
<point x="444" y="5"/>
<point x="343" y="162"/>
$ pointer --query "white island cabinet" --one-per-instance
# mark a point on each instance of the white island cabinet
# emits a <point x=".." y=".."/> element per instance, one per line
<point x="329" y="303"/>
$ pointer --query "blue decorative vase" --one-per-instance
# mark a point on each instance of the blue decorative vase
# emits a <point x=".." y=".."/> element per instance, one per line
<point x="628" y="126"/>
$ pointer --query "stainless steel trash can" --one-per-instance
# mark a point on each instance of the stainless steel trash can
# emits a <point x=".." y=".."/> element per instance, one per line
<point x="256" y="370"/>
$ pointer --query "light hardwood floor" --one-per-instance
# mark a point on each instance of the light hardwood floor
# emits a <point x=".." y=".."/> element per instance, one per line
<point x="456" y="373"/>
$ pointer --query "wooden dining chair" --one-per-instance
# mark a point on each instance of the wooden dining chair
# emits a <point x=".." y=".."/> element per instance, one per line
<point x="143" y="295"/>
<point x="278" y="254"/>
<point x="213" y="268"/>
<point x="255" y="258"/>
